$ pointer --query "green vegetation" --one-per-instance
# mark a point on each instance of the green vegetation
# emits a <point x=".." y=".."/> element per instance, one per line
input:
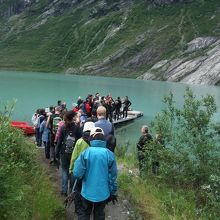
<point x="132" y="39"/>
<point x="26" y="192"/>
<point x="188" y="183"/>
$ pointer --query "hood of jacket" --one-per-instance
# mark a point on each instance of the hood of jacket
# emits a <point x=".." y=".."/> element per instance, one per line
<point x="98" y="143"/>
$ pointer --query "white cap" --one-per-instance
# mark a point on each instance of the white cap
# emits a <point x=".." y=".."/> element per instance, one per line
<point x="96" y="130"/>
<point x="74" y="104"/>
<point x="88" y="126"/>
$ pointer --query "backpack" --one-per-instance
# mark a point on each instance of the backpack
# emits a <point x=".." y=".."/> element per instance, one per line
<point x="56" y="122"/>
<point x="88" y="108"/>
<point x="69" y="142"/>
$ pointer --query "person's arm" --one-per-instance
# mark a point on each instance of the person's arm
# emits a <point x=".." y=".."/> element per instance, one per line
<point x="58" y="132"/>
<point x="80" y="166"/>
<point x="48" y="121"/>
<point x="59" y="142"/>
<point x="74" y="156"/>
<point x="42" y="126"/>
<point x="129" y="103"/>
<point x="140" y="143"/>
<point x="113" y="175"/>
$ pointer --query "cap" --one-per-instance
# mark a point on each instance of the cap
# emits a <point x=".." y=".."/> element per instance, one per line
<point x="74" y="104"/>
<point x="96" y="130"/>
<point x="88" y="126"/>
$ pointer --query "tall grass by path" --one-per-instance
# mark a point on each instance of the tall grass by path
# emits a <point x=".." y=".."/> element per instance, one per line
<point x="26" y="192"/>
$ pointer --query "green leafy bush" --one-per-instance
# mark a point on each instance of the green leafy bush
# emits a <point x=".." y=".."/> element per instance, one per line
<point x="25" y="191"/>
<point x="188" y="150"/>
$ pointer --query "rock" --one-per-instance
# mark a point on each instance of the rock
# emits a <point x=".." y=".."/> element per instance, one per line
<point x="201" y="69"/>
<point x="168" y="2"/>
<point x="200" y="43"/>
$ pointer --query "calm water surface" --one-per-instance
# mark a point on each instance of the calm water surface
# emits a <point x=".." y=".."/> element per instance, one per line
<point x="35" y="90"/>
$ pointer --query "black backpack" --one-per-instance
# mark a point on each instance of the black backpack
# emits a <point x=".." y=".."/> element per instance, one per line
<point x="69" y="142"/>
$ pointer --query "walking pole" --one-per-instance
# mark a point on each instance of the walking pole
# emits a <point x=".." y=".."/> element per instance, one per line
<point x="69" y="199"/>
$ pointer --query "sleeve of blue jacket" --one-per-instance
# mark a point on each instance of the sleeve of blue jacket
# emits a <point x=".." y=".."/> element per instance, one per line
<point x="42" y="126"/>
<point x="79" y="167"/>
<point x="113" y="176"/>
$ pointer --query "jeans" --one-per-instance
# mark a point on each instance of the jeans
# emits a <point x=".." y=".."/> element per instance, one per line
<point x="66" y="180"/>
<point x="96" y="207"/>
<point x="52" y="147"/>
<point x="47" y="149"/>
<point x="38" y="136"/>
<point x="78" y="197"/>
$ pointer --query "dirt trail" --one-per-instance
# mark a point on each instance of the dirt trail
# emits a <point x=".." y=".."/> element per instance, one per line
<point x="122" y="210"/>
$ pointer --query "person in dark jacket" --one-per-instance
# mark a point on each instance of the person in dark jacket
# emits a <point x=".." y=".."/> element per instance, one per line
<point x="97" y="168"/>
<point x="117" y="108"/>
<point x="126" y="104"/>
<point x="69" y="134"/>
<point x="111" y="142"/>
<point x="141" y="146"/>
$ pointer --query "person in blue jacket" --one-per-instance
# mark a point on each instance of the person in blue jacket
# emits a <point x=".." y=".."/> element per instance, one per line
<point x="45" y="132"/>
<point x="97" y="168"/>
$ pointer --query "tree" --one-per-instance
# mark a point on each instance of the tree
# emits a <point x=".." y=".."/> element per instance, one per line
<point x="191" y="156"/>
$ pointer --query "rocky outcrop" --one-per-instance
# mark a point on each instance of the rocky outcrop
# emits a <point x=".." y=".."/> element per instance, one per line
<point x="200" y="64"/>
<point x="10" y="8"/>
<point x="167" y="2"/>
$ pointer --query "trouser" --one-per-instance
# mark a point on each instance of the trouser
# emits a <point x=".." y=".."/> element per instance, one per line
<point x="67" y="179"/>
<point x="47" y="149"/>
<point x="52" y="147"/>
<point x="77" y="197"/>
<point x="117" y="113"/>
<point x="96" y="207"/>
<point x="125" y="112"/>
<point x="110" y="116"/>
<point x="155" y="167"/>
<point x="141" y="162"/>
<point x="38" y="136"/>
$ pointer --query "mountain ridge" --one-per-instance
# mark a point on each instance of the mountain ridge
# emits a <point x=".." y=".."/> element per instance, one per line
<point x="105" y="37"/>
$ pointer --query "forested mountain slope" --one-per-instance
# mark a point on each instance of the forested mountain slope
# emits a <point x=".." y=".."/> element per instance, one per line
<point x="172" y="40"/>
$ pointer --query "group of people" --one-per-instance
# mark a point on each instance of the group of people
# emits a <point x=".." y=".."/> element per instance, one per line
<point x="83" y="140"/>
<point x="115" y="109"/>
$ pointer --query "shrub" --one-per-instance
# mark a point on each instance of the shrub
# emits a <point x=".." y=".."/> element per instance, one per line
<point x="25" y="191"/>
<point x="187" y="150"/>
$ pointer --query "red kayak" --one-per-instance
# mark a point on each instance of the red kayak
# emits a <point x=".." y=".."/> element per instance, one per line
<point x="28" y="130"/>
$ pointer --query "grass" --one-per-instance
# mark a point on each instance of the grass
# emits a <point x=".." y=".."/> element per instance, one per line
<point x="73" y="39"/>
<point x="152" y="200"/>
<point x="26" y="192"/>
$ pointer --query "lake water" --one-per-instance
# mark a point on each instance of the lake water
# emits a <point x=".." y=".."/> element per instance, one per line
<point x="36" y="90"/>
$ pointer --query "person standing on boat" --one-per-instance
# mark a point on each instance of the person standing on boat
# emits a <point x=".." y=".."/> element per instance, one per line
<point x="104" y="124"/>
<point x="141" y="146"/>
<point x="126" y="104"/>
<point x="117" y="108"/>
